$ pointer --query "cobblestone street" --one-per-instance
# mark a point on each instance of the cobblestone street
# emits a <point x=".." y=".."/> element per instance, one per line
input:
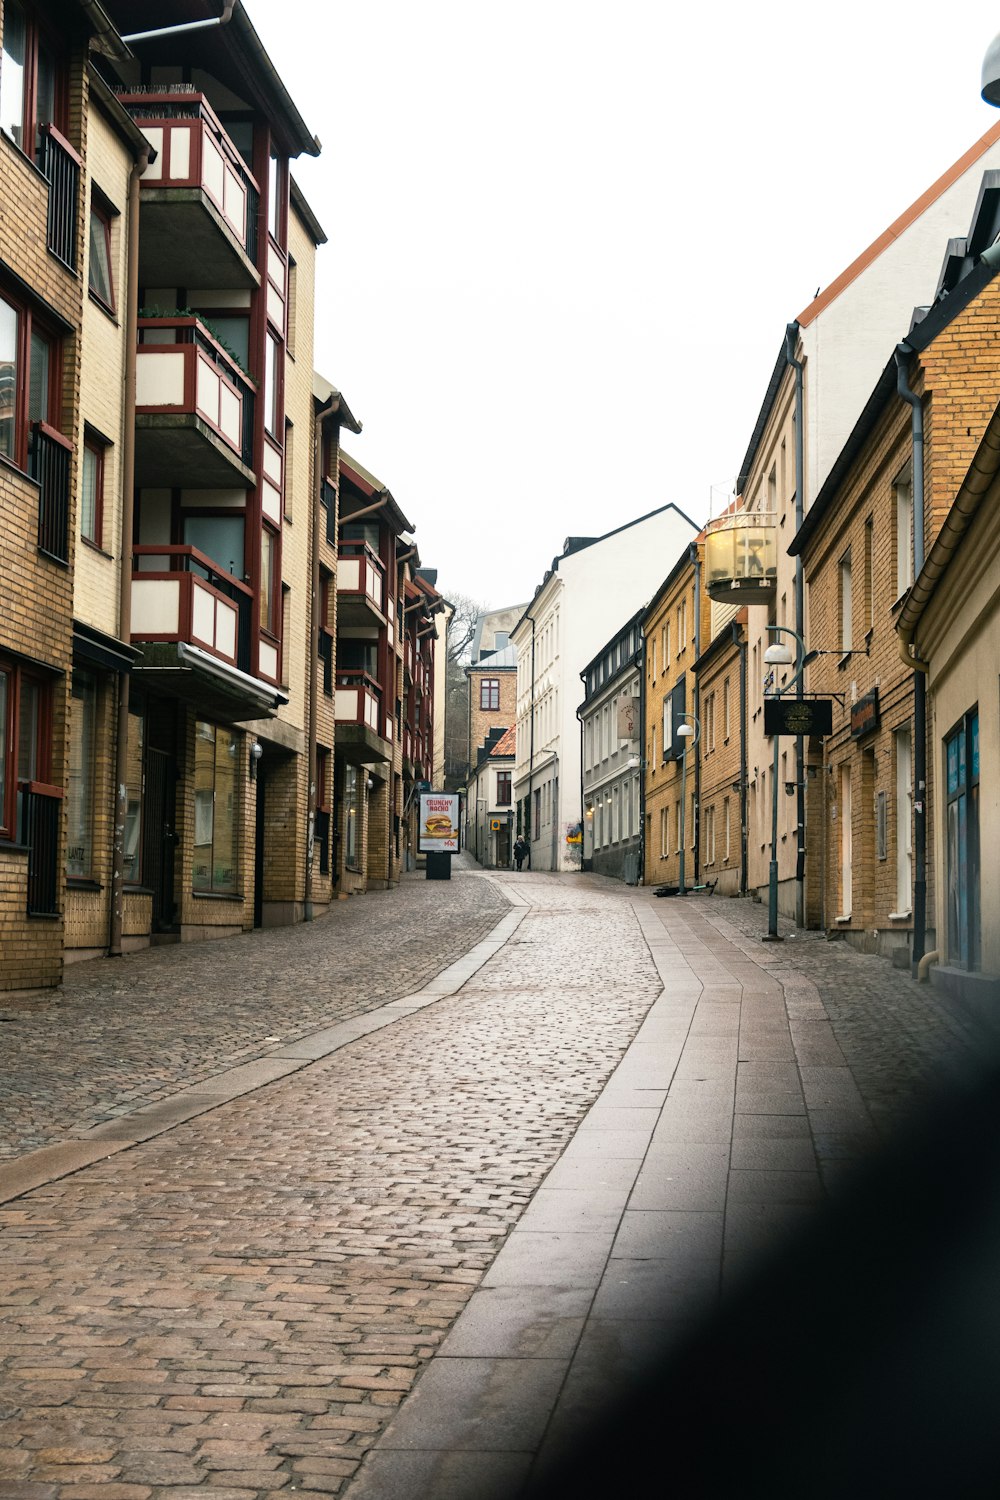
<point x="386" y="1207"/>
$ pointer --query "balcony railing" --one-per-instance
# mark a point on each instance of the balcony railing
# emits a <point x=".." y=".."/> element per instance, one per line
<point x="179" y="594"/>
<point x="48" y="464"/>
<point x="741" y="557"/>
<point x="41" y="818"/>
<point x="193" y="150"/>
<point x="359" y="701"/>
<point x="60" y="165"/>
<point x="360" y="572"/>
<point x="180" y="367"/>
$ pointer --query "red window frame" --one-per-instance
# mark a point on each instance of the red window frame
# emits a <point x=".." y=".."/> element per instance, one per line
<point x="30" y="324"/>
<point x="96" y="448"/>
<point x="103" y="216"/>
<point x="489" y="694"/>
<point x="16" y="777"/>
<point x="37" y="36"/>
<point x="504" y="788"/>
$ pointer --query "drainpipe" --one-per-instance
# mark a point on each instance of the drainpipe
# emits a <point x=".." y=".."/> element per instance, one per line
<point x="531" y="742"/>
<point x="696" y="695"/>
<point x="308" y="911"/>
<point x="640" y="658"/>
<point x="366" y="510"/>
<point x="227" y="10"/>
<point x="791" y="336"/>
<point x="903" y="353"/>
<point x="120" y="806"/>
<point x="739" y="642"/>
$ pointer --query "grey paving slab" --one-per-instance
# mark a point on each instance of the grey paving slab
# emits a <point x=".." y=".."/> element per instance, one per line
<point x="758" y="1099"/>
<point x="529" y="1322"/>
<point x="688" y="1237"/>
<point x="561" y="1259"/>
<point x="674" y="1182"/>
<point x="479" y="1405"/>
<point x="607" y="1173"/>
<point x="770" y="1127"/>
<point x="666" y="1287"/>
<point x="619" y="1117"/>
<point x="601" y="1143"/>
<point x="584" y="1209"/>
<point x="769" y="1186"/>
<point x="437" y="1475"/>
<point x="795" y="1154"/>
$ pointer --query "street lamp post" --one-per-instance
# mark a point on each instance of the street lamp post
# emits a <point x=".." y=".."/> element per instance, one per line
<point x="687" y="731"/>
<point x="779" y="655"/>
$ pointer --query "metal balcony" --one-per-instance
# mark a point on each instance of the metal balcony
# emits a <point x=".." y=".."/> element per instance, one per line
<point x="360" y="585"/>
<point x="741" y="557"/>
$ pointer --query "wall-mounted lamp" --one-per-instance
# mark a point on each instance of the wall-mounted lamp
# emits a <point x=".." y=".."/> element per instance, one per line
<point x="256" y="751"/>
<point x="371" y="783"/>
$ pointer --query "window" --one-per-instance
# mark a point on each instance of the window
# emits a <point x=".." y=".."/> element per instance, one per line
<point x="274" y="194"/>
<point x="710" y="722"/>
<point x="293" y="306"/>
<point x="652" y="657"/>
<point x="351" y="817"/>
<point x="134" y="749"/>
<point x="80" y="781"/>
<point x="536" y="819"/>
<point x="664" y="813"/>
<point x="725" y="709"/>
<point x="962" y="866"/>
<point x="725" y="827"/>
<point x="272" y="402"/>
<point x="846" y="604"/>
<point x="100" y="279"/>
<point x="25" y="740"/>
<point x="489" y="694"/>
<point x="92" y="492"/>
<point x="668" y="726"/>
<point x="904" y="821"/>
<point x="503" y="789"/>
<point x="29" y="79"/>
<point x="903" y="492"/>
<point x="215" y="809"/>
<point x="710" y="835"/>
<point x="289" y="468"/>
<point x="682" y="613"/>
<point x="29" y="381"/>
<point x="869" y="576"/>
<point x="881" y="826"/>
<point x="268" y="580"/>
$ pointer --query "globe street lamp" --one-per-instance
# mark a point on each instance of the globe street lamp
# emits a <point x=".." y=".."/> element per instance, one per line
<point x="692" y="732"/>
<point x="779" y="654"/>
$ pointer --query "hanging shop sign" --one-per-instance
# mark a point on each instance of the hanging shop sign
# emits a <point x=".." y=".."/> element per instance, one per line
<point x="865" y="715"/>
<point x="438" y="823"/>
<point x="805" y="716"/>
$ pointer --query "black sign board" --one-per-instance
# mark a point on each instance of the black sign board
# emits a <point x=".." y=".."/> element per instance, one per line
<point x="798" y="716"/>
<point x="865" y="715"/>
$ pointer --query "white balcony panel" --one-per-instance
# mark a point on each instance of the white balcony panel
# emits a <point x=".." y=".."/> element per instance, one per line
<point x="275" y="307"/>
<point x="234" y="204"/>
<point x="346" y="705"/>
<point x="272" y="464"/>
<point x="202" y="615"/>
<point x="207" y="391"/>
<point x="276" y="268"/>
<point x="270" y="500"/>
<point x="156" y="606"/>
<point x="154" y="135"/>
<point x="349" y="575"/>
<point x="268" y="660"/>
<point x="213" y="169"/>
<point x="180" y="151"/>
<point x="371" y="712"/>
<point x="226" y="619"/>
<point x="159" y="379"/>
<point x="230" y="414"/>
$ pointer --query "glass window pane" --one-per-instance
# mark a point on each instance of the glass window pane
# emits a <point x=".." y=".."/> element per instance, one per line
<point x="271" y="386"/>
<point x="100" y="259"/>
<point x="133" y="797"/>
<point x="38" y="379"/>
<point x="12" y="71"/>
<point x="88" y="495"/>
<point x="204" y="804"/>
<point x="27" y="738"/>
<point x="8" y="373"/>
<point x="273" y="200"/>
<point x="351" y="816"/>
<point x="45" y="90"/>
<point x="80" y="786"/>
<point x="267" y="547"/>
<point x="224" y="844"/>
<point x="4" y="693"/>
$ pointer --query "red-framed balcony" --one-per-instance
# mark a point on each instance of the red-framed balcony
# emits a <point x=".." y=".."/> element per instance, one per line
<point x="179" y="595"/>
<point x="364" y="729"/>
<point x="741" y="557"/>
<point x="360" y="585"/>
<point x="200" y="203"/>
<point x="194" y="408"/>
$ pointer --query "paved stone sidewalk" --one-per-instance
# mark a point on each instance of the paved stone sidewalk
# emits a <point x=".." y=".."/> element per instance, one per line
<point x="122" y="1033"/>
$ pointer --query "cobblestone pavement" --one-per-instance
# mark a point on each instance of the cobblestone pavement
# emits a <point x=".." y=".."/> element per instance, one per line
<point x="240" y="1304"/>
<point x="125" y="1032"/>
<point x="902" y="1040"/>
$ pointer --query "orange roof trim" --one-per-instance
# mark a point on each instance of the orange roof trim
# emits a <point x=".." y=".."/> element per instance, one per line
<point x="832" y="292"/>
<point x="507" y="743"/>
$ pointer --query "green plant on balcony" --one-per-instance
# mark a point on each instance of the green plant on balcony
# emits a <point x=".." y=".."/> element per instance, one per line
<point x="206" y="323"/>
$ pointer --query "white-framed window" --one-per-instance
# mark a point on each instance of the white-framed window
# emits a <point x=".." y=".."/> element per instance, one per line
<point x="726" y="710"/>
<point x="663" y="832"/>
<point x="709" y="835"/>
<point x="725" y="827"/>
<point x="902" y="489"/>
<point x="846" y="603"/>
<point x="904" y="820"/>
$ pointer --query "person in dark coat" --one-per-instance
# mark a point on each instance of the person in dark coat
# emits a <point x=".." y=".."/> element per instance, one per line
<point x="520" y="850"/>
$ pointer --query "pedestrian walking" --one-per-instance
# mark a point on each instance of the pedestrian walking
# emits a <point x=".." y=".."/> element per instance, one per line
<point x="520" y="850"/>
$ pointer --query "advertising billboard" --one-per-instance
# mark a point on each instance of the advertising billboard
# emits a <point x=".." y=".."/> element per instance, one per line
<point x="438" y="823"/>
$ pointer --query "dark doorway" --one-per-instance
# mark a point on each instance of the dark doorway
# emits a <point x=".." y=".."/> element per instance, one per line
<point x="159" y="837"/>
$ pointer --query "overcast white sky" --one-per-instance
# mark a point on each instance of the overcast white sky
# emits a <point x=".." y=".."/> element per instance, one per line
<point x="565" y="238"/>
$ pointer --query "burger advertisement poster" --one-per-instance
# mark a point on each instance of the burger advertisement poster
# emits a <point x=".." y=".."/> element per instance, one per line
<point x="438" y="823"/>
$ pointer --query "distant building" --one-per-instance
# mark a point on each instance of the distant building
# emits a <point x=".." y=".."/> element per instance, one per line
<point x="611" y="719"/>
<point x="489" y="802"/>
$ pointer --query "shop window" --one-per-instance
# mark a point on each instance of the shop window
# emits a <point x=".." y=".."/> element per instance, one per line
<point x="216" y="806"/>
<point x="132" y="866"/>
<point x="80" y="779"/>
<point x="352" y="817"/>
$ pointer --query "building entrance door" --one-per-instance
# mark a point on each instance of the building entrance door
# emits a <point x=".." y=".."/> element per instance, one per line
<point x="502" y="847"/>
<point x="159" y="837"/>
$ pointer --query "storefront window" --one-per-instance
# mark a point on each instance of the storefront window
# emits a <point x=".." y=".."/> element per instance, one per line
<point x="215" y="809"/>
<point x="133" y="798"/>
<point x="351" y="817"/>
<point x="80" y="787"/>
